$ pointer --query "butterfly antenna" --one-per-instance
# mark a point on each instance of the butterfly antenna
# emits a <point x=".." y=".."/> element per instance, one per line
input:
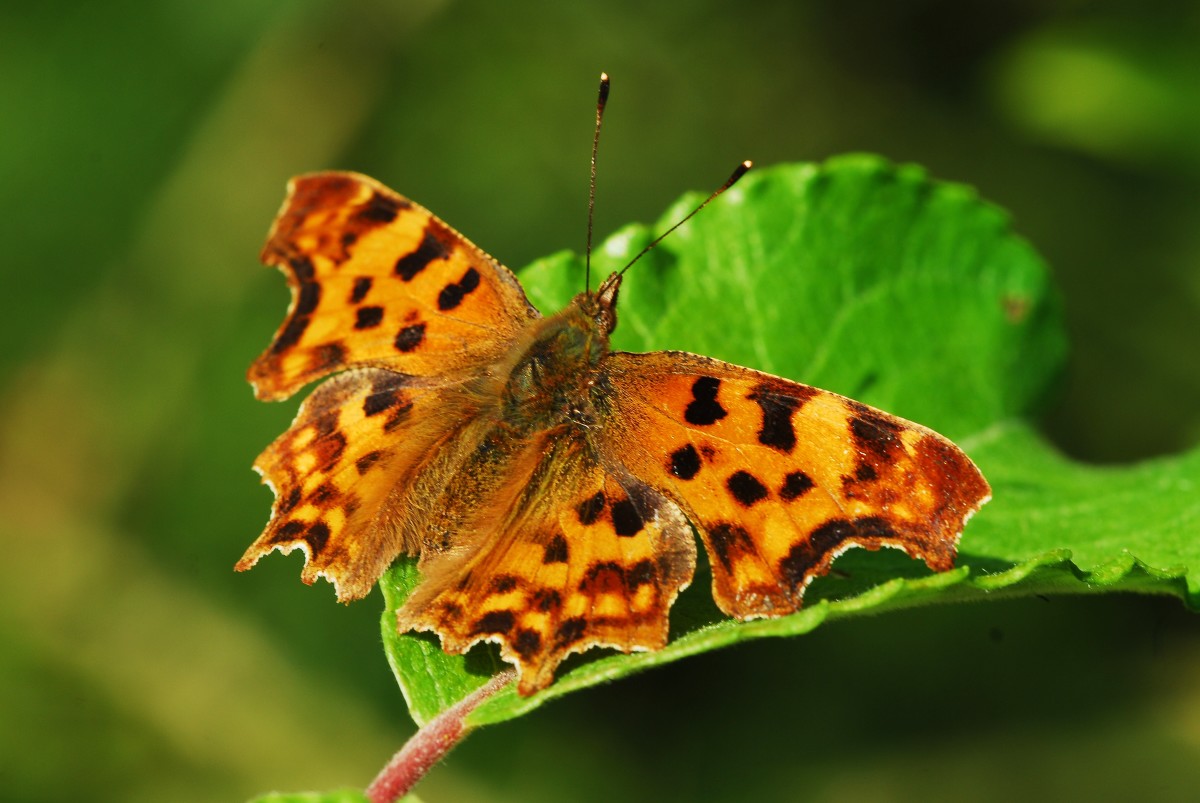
<point x="737" y="174"/>
<point x="601" y="102"/>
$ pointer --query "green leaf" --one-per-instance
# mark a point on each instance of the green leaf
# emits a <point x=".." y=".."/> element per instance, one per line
<point x="873" y="281"/>
<point x="856" y="276"/>
<point x="431" y="680"/>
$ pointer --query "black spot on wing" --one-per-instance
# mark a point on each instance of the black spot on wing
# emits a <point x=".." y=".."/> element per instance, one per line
<point x="730" y="542"/>
<point x="288" y="531"/>
<point x="807" y="556"/>
<point x="362" y="286"/>
<point x="570" y="630"/>
<point x="364" y="463"/>
<point x="704" y="409"/>
<point x="604" y="578"/>
<point x="494" y="622"/>
<point x="410" y="337"/>
<point x="328" y="356"/>
<point x="469" y="281"/>
<point x="291" y="333"/>
<point x="873" y="433"/>
<point x="625" y="518"/>
<point x="746" y="488"/>
<point x="384" y="395"/>
<point x="527" y="643"/>
<point x="556" y="550"/>
<point x="412" y="263"/>
<point x="329" y="448"/>
<point x="640" y="574"/>
<point x="450" y="613"/>
<point x="874" y="527"/>
<point x="503" y="583"/>
<point x="453" y="294"/>
<point x="401" y="412"/>
<point x="308" y="298"/>
<point x="303" y="268"/>
<point x="289" y="502"/>
<point x="547" y="600"/>
<point x="795" y="485"/>
<point x="778" y="407"/>
<point x="317" y="537"/>
<point x="368" y="317"/>
<point x="380" y="209"/>
<point x="685" y="462"/>
<point x="450" y="297"/>
<point x="323" y="494"/>
<point x="804" y="556"/>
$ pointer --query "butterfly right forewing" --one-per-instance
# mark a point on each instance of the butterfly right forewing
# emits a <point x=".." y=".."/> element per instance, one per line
<point x="778" y="477"/>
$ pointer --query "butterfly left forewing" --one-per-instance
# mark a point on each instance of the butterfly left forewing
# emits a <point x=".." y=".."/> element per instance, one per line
<point x="779" y="478"/>
<point x="379" y="281"/>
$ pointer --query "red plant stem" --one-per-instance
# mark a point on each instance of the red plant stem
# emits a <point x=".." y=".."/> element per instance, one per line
<point x="430" y="743"/>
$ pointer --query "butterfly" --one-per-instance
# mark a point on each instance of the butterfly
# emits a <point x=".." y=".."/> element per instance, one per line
<point x="552" y="488"/>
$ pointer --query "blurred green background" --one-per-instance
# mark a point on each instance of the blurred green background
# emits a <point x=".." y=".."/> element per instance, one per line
<point x="143" y="152"/>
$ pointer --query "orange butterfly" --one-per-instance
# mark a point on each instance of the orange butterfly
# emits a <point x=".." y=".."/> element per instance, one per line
<point x="551" y="487"/>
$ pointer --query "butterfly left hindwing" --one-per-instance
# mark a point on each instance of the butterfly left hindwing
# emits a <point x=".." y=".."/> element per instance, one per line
<point x="567" y="555"/>
<point x="334" y="471"/>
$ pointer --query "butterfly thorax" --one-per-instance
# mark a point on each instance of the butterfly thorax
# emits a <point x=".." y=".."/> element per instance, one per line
<point x="549" y="383"/>
<point x="509" y="421"/>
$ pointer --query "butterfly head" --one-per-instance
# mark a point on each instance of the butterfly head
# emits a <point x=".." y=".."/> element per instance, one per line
<point x="601" y="306"/>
